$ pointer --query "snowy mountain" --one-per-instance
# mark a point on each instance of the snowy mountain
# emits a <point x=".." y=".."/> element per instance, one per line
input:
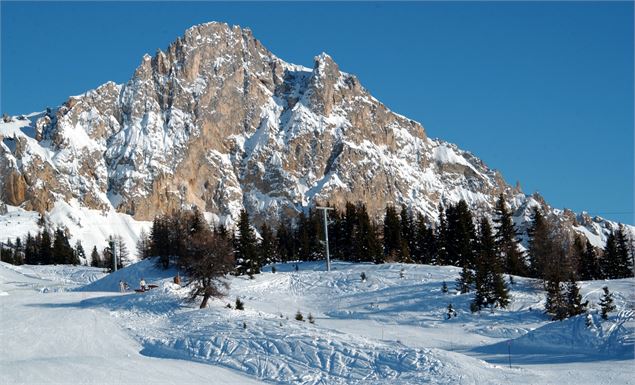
<point x="220" y="122"/>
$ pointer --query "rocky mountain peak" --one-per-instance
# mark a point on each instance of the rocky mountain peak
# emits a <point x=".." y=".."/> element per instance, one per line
<point x="218" y="121"/>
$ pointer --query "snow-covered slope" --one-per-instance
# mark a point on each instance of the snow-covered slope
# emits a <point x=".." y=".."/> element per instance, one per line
<point x="386" y="330"/>
<point x="220" y="122"/>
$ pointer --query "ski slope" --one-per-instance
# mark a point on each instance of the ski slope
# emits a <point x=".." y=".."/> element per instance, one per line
<point x="387" y="330"/>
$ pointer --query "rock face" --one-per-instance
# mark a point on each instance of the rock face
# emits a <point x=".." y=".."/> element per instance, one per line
<point x="219" y="122"/>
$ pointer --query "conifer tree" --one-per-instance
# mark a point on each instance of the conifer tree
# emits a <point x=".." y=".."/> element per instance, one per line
<point x="441" y="239"/>
<point x="95" y="259"/>
<point x="624" y="265"/>
<point x="610" y="260"/>
<point x="160" y="240"/>
<point x="365" y="240"/>
<point x="491" y="289"/>
<point x="347" y="232"/>
<point x="406" y="225"/>
<point x="144" y="245"/>
<point x="460" y="235"/>
<point x="575" y="305"/>
<point x="61" y="248"/>
<point x="30" y="250"/>
<point x="267" y="245"/>
<point x="606" y="303"/>
<point x="246" y="255"/>
<point x="505" y="236"/>
<point x="45" y="251"/>
<point x="588" y="267"/>
<point x="392" y="235"/>
<point x="541" y="244"/>
<point x="80" y="254"/>
<point x="284" y="242"/>
<point x="18" y="252"/>
<point x="555" y="303"/>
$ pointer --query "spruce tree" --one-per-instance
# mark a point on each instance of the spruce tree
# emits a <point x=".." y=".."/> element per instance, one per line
<point x="62" y="252"/>
<point x="610" y="265"/>
<point x="575" y="305"/>
<point x="406" y="225"/>
<point x="505" y="235"/>
<point x="348" y="232"/>
<point x="624" y="266"/>
<point x="490" y="286"/>
<point x="267" y="245"/>
<point x="18" y="254"/>
<point x="460" y="235"/>
<point x="144" y="245"/>
<point x="160" y="240"/>
<point x="541" y="244"/>
<point x="555" y="303"/>
<point x="465" y="281"/>
<point x="441" y="239"/>
<point x="588" y="265"/>
<point x="80" y="254"/>
<point x="392" y="235"/>
<point x="606" y="303"/>
<point x="284" y="242"/>
<point x="95" y="259"/>
<point x="367" y="247"/>
<point x="45" y="251"/>
<point x="246" y="253"/>
<point x="30" y="250"/>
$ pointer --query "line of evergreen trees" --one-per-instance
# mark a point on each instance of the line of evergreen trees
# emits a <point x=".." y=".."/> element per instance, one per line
<point x="53" y="248"/>
<point x="43" y="249"/>
<point x="404" y="237"/>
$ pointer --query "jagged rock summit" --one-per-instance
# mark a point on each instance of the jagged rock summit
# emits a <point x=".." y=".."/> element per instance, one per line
<point x="218" y="121"/>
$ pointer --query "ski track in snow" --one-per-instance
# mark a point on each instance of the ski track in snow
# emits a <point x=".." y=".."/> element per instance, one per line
<point x="386" y="330"/>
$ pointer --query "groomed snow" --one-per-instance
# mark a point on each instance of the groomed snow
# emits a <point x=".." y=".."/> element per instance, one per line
<point x="386" y="330"/>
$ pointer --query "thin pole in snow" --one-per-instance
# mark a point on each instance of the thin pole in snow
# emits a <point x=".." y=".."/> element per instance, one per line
<point x="326" y="235"/>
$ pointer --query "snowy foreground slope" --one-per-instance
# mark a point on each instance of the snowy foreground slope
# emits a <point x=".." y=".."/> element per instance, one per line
<point x="387" y="330"/>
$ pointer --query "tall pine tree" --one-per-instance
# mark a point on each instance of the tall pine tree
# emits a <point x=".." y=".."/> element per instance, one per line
<point x="491" y="289"/>
<point x="510" y="254"/>
<point x="245" y="251"/>
<point x="392" y="235"/>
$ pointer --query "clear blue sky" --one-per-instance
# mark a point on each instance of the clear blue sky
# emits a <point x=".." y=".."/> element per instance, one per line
<point x="542" y="91"/>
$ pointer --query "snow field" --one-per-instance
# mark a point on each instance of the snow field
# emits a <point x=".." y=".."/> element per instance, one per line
<point x="387" y="329"/>
<point x="384" y="330"/>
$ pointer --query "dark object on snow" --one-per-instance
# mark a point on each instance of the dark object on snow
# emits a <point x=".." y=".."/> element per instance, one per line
<point x="240" y="305"/>
<point x="451" y="311"/>
<point x="299" y="316"/>
<point x="363" y="276"/>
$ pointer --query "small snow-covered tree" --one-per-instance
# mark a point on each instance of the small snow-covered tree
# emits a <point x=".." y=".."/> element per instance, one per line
<point x="574" y="299"/>
<point x="606" y="303"/>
